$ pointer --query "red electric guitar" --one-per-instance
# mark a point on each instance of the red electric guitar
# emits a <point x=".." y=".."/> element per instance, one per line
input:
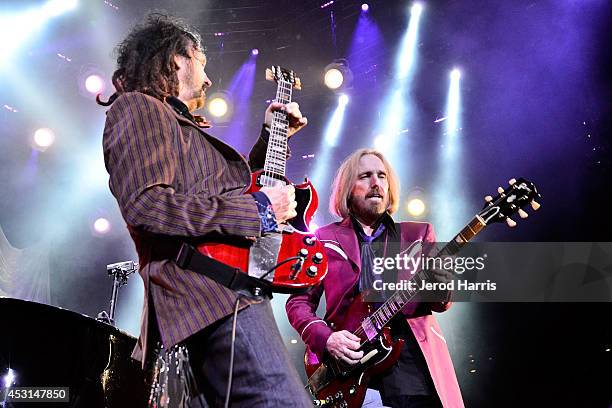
<point x="335" y="384"/>
<point x="304" y="255"/>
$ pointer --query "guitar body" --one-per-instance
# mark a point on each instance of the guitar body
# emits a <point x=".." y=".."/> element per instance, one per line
<point x="342" y="385"/>
<point x="345" y="386"/>
<point x="294" y="239"/>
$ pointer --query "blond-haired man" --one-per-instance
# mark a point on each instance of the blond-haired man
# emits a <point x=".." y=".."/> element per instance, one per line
<point x="365" y="194"/>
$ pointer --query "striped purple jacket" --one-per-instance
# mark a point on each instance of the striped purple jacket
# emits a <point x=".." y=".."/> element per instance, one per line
<point x="175" y="183"/>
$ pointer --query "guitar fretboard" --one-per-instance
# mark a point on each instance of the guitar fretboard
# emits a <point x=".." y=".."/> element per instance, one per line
<point x="276" y="155"/>
<point x="392" y="306"/>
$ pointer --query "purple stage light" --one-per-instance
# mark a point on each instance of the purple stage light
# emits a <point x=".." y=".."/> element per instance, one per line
<point x="365" y="7"/>
<point x="254" y="51"/>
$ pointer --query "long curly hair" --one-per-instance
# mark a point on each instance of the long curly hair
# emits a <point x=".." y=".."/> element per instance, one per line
<point x="145" y="60"/>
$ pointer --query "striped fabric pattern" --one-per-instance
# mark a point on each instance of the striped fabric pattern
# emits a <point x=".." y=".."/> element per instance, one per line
<point x="175" y="183"/>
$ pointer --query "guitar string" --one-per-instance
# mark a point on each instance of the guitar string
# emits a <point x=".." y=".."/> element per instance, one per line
<point x="399" y="299"/>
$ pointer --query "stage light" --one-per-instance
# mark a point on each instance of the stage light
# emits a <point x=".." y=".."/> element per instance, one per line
<point x="101" y="225"/>
<point x="455" y="74"/>
<point x="334" y="127"/>
<point x="399" y="105"/>
<point x="408" y="49"/>
<point x="383" y="143"/>
<point x="240" y="89"/>
<point x="54" y="8"/>
<point x="43" y="138"/>
<point x="254" y="51"/>
<point x="91" y="80"/>
<point x="220" y="106"/>
<point x="294" y="341"/>
<point x="17" y="28"/>
<point x="325" y="153"/>
<point x="338" y="75"/>
<point x="449" y="200"/>
<point x="453" y="103"/>
<point x="9" y="378"/>
<point x="365" y="7"/>
<point x="333" y="78"/>
<point x="217" y="107"/>
<point x="94" y="84"/>
<point x="415" y="207"/>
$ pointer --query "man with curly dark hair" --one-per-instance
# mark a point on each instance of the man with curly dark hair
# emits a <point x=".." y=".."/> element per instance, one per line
<point x="175" y="183"/>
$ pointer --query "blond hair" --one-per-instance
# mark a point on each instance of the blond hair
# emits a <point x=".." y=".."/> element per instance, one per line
<point x="339" y="202"/>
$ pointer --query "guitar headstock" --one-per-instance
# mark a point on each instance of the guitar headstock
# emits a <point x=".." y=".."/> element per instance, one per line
<point x="510" y="201"/>
<point x="277" y="73"/>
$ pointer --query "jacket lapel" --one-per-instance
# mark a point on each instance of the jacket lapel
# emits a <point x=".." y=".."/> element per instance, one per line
<point x="223" y="147"/>
<point x="345" y="235"/>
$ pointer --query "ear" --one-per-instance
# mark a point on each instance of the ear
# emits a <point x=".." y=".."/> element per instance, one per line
<point x="179" y="61"/>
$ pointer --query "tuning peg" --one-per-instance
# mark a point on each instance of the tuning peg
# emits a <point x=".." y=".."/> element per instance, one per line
<point x="510" y="222"/>
<point x="500" y="190"/>
<point x="522" y="213"/>
<point x="512" y="181"/>
<point x="535" y="205"/>
<point x="488" y="199"/>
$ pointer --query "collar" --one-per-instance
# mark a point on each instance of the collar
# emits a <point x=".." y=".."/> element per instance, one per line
<point x="384" y="219"/>
<point x="182" y="109"/>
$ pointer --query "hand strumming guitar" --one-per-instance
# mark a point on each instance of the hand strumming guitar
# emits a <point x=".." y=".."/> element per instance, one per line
<point x="343" y="345"/>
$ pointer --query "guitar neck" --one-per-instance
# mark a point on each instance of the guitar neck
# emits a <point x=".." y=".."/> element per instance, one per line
<point x="392" y="306"/>
<point x="276" y="155"/>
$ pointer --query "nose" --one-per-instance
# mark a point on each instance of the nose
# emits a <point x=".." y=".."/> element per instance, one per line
<point x="376" y="182"/>
<point x="207" y="81"/>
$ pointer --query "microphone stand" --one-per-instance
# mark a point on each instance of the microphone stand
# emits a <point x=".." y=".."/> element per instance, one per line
<point x="120" y="272"/>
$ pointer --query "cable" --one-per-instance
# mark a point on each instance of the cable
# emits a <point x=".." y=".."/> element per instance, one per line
<point x="231" y="364"/>
<point x="279" y="264"/>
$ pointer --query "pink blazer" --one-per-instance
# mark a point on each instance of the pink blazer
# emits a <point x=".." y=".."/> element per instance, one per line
<point x="342" y="249"/>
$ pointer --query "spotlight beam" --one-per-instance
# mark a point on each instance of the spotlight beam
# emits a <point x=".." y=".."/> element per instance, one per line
<point x="449" y="199"/>
<point x="399" y="106"/>
<point x="330" y="139"/>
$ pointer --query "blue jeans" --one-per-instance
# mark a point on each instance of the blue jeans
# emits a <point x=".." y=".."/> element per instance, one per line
<point x="263" y="373"/>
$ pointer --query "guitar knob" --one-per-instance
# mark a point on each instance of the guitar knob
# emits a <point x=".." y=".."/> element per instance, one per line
<point x="310" y="241"/>
<point x="303" y="253"/>
<point x="352" y="390"/>
<point x="312" y="271"/>
<point x="317" y="258"/>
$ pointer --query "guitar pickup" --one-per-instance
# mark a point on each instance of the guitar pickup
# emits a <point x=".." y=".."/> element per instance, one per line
<point x="368" y="356"/>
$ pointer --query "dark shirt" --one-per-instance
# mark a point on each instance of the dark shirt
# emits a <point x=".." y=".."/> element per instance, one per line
<point x="409" y="375"/>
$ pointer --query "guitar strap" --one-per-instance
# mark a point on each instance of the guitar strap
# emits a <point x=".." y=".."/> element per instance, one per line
<point x="232" y="278"/>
